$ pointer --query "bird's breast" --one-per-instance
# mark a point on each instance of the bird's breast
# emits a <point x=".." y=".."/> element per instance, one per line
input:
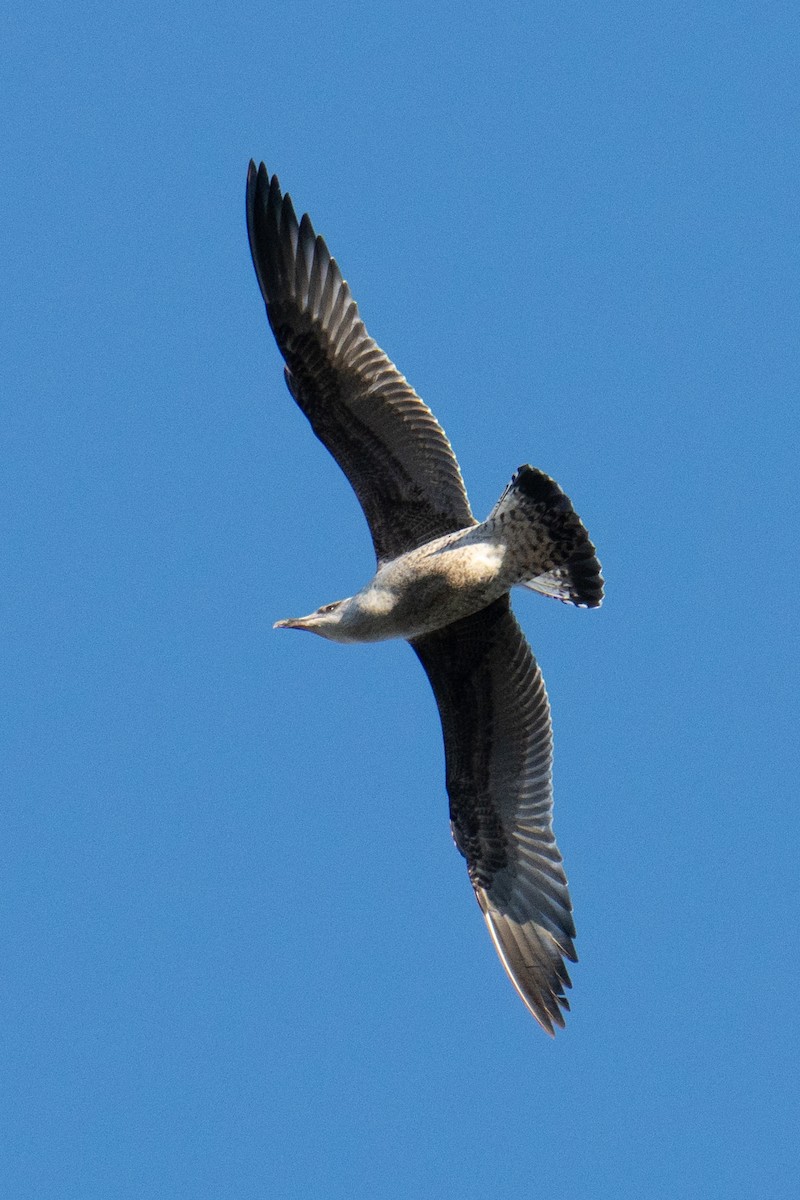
<point x="431" y="587"/>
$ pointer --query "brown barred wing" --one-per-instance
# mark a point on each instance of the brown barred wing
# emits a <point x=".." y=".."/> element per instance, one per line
<point x="388" y="443"/>
<point x="498" y="751"/>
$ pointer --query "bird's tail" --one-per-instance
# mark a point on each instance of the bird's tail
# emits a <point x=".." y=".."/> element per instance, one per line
<point x="547" y="546"/>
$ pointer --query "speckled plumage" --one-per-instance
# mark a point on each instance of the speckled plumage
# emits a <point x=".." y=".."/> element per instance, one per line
<point x="442" y="583"/>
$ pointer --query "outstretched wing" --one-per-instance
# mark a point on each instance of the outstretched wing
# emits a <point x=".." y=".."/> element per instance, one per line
<point x="498" y="750"/>
<point x="387" y="442"/>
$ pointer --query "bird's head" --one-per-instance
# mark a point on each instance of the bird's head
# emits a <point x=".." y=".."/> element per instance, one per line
<point x="326" y="621"/>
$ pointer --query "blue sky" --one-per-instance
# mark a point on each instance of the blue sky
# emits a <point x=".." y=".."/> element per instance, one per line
<point x="240" y="954"/>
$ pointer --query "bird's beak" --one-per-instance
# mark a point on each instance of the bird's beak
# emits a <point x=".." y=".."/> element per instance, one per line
<point x="292" y="623"/>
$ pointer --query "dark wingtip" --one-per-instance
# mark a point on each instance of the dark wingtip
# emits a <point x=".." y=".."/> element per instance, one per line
<point x="255" y="175"/>
<point x="266" y="210"/>
<point x="273" y="184"/>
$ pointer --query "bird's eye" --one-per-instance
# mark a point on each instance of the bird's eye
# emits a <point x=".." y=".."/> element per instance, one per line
<point x="326" y="608"/>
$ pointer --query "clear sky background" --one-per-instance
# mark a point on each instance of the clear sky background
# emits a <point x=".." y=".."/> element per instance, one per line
<point x="239" y="954"/>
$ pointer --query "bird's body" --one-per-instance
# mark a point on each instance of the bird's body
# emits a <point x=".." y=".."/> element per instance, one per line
<point x="446" y="579"/>
<point x="442" y="583"/>
<point x="439" y="582"/>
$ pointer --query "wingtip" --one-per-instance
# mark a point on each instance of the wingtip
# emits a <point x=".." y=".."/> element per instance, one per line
<point x="260" y="180"/>
<point x="255" y="174"/>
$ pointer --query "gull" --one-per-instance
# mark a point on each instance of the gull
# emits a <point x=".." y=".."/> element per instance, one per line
<point x="442" y="583"/>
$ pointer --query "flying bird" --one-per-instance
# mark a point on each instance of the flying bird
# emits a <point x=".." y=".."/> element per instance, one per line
<point x="442" y="583"/>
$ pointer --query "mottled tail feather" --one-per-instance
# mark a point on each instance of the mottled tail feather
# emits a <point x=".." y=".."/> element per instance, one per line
<point x="562" y="560"/>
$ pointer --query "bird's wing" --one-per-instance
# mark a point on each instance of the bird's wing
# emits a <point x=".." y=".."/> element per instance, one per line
<point x="498" y="750"/>
<point x="387" y="442"/>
